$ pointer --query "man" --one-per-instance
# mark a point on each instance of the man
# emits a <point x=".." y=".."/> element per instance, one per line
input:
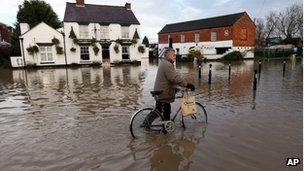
<point x="166" y="81"/>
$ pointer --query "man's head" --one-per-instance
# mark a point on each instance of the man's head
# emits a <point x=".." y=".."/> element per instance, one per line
<point x="170" y="55"/>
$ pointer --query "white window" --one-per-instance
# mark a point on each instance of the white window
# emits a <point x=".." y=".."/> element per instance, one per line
<point x="125" y="49"/>
<point x="84" y="53"/>
<point x="46" y="54"/>
<point x="213" y="36"/>
<point x="196" y="37"/>
<point x="125" y="32"/>
<point x="183" y="39"/>
<point x="84" y="31"/>
<point x="104" y="32"/>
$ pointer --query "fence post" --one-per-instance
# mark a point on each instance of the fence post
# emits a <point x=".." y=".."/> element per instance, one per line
<point x="229" y="72"/>
<point x="210" y="66"/>
<point x="260" y="66"/>
<point x="199" y="71"/>
<point x="255" y="80"/>
<point x="284" y="66"/>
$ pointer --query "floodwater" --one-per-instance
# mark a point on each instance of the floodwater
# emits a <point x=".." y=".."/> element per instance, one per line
<point x="77" y="119"/>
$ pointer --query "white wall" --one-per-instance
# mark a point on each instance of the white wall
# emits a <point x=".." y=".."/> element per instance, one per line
<point x="17" y="61"/>
<point x="42" y="33"/>
<point x="208" y="48"/>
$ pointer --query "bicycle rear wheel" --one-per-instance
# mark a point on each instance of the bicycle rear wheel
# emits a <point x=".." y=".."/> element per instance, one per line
<point x="198" y="119"/>
<point x="139" y="117"/>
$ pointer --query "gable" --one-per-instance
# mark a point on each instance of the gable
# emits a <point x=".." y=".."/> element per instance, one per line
<point x="40" y="29"/>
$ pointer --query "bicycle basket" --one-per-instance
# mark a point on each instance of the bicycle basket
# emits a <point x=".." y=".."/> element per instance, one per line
<point x="188" y="105"/>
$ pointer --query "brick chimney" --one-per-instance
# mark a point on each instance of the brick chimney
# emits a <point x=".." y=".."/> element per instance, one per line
<point x="128" y="6"/>
<point x="80" y="3"/>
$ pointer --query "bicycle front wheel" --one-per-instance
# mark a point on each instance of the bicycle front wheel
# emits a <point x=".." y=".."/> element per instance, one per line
<point x="198" y="119"/>
<point x="138" y="118"/>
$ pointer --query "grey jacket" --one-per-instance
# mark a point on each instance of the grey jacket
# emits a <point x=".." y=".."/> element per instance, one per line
<point x="166" y="80"/>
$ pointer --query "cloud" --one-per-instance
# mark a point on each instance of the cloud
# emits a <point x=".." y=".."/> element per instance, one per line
<point x="153" y="15"/>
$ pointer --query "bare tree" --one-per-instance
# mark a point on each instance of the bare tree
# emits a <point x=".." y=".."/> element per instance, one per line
<point x="260" y="32"/>
<point x="290" y="22"/>
<point x="271" y="24"/>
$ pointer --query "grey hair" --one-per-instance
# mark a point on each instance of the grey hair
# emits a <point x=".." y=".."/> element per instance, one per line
<point x="168" y="51"/>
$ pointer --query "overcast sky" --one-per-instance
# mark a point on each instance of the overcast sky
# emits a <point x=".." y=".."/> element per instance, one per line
<point x="154" y="14"/>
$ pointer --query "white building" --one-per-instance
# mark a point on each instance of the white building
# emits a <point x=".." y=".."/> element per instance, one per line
<point x="90" y="34"/>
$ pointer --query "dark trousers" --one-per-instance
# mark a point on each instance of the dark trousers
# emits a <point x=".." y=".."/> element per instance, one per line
<point x="161" y="107"/>
<point x="164" y="108"/>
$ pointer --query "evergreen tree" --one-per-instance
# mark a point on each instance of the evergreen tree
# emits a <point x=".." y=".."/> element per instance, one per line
<point x="145" y="41"/>
<point x="32" y="12"/>
<point x="136" y="36"/>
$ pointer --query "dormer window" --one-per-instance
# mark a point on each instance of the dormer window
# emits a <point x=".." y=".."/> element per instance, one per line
<point x="104" y="32"/>
<point x="125" y="32"/>
<point x="83" y="31"/>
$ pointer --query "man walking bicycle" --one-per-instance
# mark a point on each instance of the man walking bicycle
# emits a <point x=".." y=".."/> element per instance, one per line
<point x="166" y="81"/>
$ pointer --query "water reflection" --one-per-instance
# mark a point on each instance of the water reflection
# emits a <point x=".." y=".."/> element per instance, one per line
<point x="168" y="152"/>
<point x="78" y="118"/>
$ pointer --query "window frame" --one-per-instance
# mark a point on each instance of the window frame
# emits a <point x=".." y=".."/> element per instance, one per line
<point x="84" y="53"/>
<point x="48" y="52"/>
<point x="196" y="37"/>
<point x="212" y="36"/>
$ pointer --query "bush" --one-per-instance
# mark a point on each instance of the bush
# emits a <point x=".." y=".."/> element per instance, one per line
<point x="195" y="53"/>
<point x="235" y="55"/>
<point x="96" y="50"/>
<point x="73" y="49"/>
<point x="55" y="41"/>
<point x="141" y="49"/>
<point x="119" y="41"/>
<point x="133" y="41"/>
<point x="96" y="63"/>
<point x="32" y="50"/>
<point x="75" y="41"/>
<point x="59" y="50"/>
<point x="93" y="42"/>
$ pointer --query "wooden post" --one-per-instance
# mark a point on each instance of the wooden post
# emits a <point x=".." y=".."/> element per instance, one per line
<point x="210" y="66"/>
<point x="255" y="80"/>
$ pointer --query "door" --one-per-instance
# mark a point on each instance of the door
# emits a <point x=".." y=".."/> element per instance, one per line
<point x="105" y="53"/>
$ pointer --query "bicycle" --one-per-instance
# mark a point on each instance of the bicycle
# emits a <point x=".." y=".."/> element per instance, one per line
<point x="161" y="125"/>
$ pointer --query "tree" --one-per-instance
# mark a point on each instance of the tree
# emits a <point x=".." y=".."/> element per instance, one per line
<point x="32" y="12"/>
<point x="145" y="41"/>
<point x="260" y="32"/>
<point x="290" y="24"/>
<point x="271" y="24"/>
<point x="136" y="36"/>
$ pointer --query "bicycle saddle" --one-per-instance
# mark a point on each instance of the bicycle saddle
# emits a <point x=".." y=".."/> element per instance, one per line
<point x="155" y="93"/>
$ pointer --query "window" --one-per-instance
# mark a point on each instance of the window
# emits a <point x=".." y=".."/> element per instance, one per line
<point x="125" y="50"/>
<point x="183" y="39"/>
<point x="46" y="54"/>
<point x="196" y="37"/>
<point x="84" y="31"/>
<point x="104" y="30"/>
<point x="244" y="34"/>
<point x="125" y="32"/>
<point x="213" y="36"/>
<point x="84" y="53"/>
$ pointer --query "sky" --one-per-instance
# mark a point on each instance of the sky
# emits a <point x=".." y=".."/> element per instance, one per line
<point x="155" y="14"/>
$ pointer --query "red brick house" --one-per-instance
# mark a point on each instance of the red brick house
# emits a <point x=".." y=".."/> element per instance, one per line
<point x="4" y="34"/>
<point x="214" y="36"/>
